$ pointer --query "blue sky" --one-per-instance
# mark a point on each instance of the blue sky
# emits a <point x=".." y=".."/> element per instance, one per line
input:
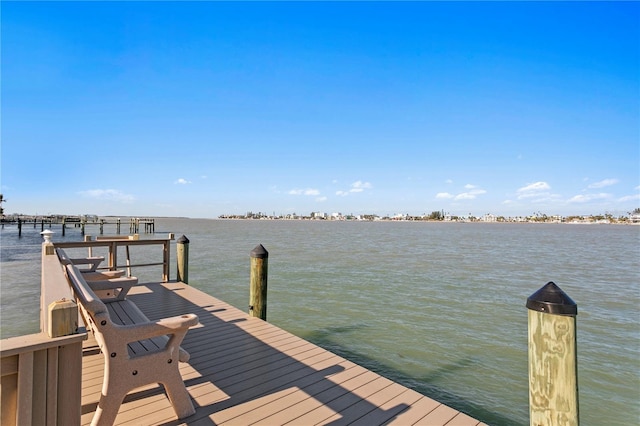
<point x="203" y="108"/>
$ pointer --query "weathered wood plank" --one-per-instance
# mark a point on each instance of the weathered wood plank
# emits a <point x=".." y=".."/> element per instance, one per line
<point x="25" y="388"/>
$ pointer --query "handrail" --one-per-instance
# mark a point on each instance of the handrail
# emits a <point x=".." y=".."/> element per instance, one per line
<point x="115" y="242"/>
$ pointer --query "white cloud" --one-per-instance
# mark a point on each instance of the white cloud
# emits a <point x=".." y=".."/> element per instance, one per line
<point x="108" y="194"/>
<point x="584" y="198"/>
<point x="181" y="181"/>
<point x="637" y="188"/>
<point x="471" y="195"/>
<point x="537" y="186"/>
<point x="308" y="191"/>
<point x="321" y="199"/>
<point x="603" y="183"/>
<point x="629" y="198"/>
<point x="464" y="196"/>
<point x="360" y="186"/>
<point x="444" y="195"/>
<point x="533" y="190"/>
<point x="356" y="187"/>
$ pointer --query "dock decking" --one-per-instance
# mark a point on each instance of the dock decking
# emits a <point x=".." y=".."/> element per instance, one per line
<point x="244" y="371"/>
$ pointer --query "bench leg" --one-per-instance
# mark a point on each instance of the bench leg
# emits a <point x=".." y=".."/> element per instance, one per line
<point x="178" y="395"/>
<point x="107" y="409"/>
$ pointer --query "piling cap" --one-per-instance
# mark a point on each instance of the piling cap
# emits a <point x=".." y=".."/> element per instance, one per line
<point x="259" y="252"/>
<point x="551" y="299"/>
<point x="46" y="234"/>
<point x="182" y="240"/>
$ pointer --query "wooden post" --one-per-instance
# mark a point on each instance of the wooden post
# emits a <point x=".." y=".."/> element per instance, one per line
<point x="182" y="255"/>
<point x="19" y="227"/>
<point x="47" y="247"/>
<point x="258" y="283"/>
<point x="553" y="368"/>
<point x="90" y="249"/>
<point x="63" y="225"/>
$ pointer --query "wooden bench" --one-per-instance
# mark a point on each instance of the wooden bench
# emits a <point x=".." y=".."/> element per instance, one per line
<point x="106" y="284"/>
<point x="137" y="352"/>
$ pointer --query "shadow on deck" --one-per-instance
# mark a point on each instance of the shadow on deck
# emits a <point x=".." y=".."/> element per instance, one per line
<point x="246" y="371"/>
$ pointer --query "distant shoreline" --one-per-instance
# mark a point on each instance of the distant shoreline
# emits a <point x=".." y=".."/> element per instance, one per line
<point x="110" y="219"/>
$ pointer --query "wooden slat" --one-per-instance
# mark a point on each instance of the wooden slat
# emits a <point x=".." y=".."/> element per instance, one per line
<point x="52" y="386"/>
<point x="245" y="371"/>
<point x="9" y="365"/>
<point x="25" y="388"/>
<point x="39" y="395"/>
<point x="9" y="390"/>
<point x="69" y="357"/>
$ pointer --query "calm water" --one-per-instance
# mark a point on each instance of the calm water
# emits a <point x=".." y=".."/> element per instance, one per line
<point x="438" y="307"/>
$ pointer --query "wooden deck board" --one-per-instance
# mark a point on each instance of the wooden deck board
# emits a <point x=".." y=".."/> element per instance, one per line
<point x="244" y="371"/>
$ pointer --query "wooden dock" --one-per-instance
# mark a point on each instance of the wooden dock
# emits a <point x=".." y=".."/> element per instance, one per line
<point x="245" y="371"/>
<point x="82" y="222"/>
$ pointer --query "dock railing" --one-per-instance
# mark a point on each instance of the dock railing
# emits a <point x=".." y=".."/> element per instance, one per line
<point x="41" y="375"/>
<point x="114" y="242"/>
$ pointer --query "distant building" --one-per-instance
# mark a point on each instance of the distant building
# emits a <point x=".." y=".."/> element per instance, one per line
<point x="489" y="218"/>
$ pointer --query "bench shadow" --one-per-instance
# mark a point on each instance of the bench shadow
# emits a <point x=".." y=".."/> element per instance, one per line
<point x="241" y="368"/>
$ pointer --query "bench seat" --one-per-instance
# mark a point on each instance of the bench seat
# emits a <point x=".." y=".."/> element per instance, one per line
<point x="125" y="312"/>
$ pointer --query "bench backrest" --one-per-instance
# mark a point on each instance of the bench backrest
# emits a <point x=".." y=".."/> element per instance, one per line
<point x="64" y="259"/>
<point x="94" y="311"/>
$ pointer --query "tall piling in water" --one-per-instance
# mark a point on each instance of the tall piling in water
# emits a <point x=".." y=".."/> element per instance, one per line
<point x="553" y="369"/>
<point x="258" y="282"/>
<point x="182" y="256"/>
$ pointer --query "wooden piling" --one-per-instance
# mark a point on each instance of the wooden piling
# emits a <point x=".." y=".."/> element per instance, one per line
<point x="258" y="283"/>
<point x="182" y="255"/>
<point x="553" y="372"/>
<point x="90" y="249"/>
<point x="19" y="227"/>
